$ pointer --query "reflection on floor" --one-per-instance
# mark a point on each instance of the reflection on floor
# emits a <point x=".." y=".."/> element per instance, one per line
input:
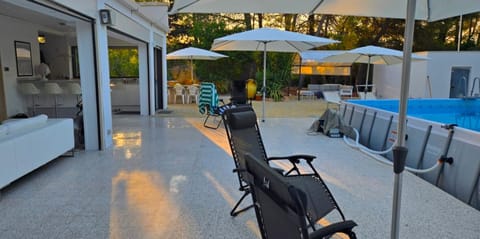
<point x="172" y="178"/>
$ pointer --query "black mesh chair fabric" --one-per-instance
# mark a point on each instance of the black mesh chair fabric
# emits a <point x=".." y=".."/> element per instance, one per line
<point x="244" y="137"/>
<point x="282" y="203"/>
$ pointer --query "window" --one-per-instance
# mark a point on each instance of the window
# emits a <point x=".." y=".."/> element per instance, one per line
<point x="123" y="62"/>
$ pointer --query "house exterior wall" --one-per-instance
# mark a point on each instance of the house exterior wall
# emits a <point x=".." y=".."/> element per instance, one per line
<point x="387" y="78"/>
<point x="440" y="66"/>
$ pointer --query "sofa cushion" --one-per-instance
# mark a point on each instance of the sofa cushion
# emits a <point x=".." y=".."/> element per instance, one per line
<point x="16" y="125"/>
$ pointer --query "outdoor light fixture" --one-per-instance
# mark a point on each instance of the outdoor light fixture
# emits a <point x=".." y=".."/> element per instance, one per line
<point x="41" y="39"/>
<point x="105" y="16"/>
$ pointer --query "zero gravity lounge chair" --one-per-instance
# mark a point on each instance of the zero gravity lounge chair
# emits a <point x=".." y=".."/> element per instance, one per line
<point x="245" y="142"/>
<point x="244" y="136"/>
<point x="283" y="205"/>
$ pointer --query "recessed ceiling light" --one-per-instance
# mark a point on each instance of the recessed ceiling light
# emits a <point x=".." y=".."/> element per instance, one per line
<point x="41" y="39"/>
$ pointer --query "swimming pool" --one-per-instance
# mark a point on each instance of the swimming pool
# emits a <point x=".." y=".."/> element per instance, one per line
<point x="427" y="138"/>
<point x="463" y="112"/>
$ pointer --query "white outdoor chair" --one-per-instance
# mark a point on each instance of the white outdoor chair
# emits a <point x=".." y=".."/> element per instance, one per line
<point x="346" y="91"/>
<point x="179" y="90"/>
<point x="332" y="97"/>
<point x="193" y="92"/>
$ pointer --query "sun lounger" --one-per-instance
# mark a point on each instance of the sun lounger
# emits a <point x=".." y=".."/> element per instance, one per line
<point x="332" y="97"/>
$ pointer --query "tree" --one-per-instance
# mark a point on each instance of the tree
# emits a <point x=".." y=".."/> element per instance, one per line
<point x="200" y="30"/>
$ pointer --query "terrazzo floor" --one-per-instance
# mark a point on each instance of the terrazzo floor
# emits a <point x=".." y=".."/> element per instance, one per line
<point x="168" y="177"/>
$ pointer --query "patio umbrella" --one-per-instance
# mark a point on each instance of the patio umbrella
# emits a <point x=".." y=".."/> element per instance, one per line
<point x="268" y="40"/>
<point x="430" y="10"/>
<point x="371" y="55"/>
<point x="192" y="53"/>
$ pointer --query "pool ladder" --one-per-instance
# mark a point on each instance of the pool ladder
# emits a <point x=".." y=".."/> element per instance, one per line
<point x="473" y="87"/>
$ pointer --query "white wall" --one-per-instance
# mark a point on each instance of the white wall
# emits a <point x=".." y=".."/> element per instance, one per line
<point x="57" y="54"/>
<point x="15" y="30"/>
<point x="87" y="7"/>
<point x="438" y="68"/>
<point x="387" y="80"/>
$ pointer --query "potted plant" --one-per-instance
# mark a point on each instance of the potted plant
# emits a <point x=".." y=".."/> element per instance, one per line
<point x="258" y="96"/>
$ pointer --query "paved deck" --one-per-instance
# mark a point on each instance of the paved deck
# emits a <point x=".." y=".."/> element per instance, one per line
<point x="170" y="177"/>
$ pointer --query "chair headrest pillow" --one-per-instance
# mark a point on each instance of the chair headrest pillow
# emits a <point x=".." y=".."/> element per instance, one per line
<point x="243" y="120"/>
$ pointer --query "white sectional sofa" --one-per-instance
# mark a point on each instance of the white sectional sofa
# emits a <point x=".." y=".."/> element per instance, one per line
<point x="26" y="144"/>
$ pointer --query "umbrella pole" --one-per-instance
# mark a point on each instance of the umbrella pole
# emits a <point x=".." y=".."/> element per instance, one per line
<point x="366" y="80"/>
<point x="264" y="88"/>
<point x="400" y="151"/>
<point x="191" y="69"/>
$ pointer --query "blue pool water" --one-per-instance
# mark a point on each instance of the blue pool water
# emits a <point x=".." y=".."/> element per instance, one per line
<point x="464" y="112"/>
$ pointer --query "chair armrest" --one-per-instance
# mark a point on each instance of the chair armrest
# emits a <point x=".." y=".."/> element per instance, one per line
<point x="294" y="158"/>
<point x="344" y="227"/>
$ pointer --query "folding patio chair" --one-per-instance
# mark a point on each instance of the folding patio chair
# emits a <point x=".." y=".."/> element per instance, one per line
<point x="244" y="136"/>
<point x="209" y="104"/>
<point x="283" y="205"/>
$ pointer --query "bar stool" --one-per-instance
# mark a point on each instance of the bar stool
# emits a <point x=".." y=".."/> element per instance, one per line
<point x="29" y="89"/>
<point x="75" y="89"/>
<point x="55" y="90"/>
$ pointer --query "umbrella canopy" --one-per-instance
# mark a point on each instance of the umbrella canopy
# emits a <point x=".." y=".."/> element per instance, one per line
<point x="192" y="53"/>
<point x="371" y="55"/>
<point x="316" y="56"/>
<point x="268" y="40"/>
<point x="248" y="6"/>
<point x="430" y="10"/>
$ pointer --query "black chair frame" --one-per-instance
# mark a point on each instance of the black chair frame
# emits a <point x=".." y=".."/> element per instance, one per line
<point x="243" y="116"/>
<point x="281" y="205"/>
<point x="215" y="116"/>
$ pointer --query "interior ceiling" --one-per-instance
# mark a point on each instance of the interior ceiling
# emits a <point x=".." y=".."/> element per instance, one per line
<point x="53" y="22"/>
<point x="56" y="23"/>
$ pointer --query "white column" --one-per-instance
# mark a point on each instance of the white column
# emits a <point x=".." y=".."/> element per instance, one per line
<point x="103" y="73"/>
<point x="87" y="80"/>
<point x="151" y="73"/>
<point x="143" y="78"/>
<point x="164" y="72"/>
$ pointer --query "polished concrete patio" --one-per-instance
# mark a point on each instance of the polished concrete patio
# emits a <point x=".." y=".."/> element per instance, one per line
<point x="170" y="177"/>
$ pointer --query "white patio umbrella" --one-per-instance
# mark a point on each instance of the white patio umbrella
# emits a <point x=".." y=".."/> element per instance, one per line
<point x="268" y="40"/>
<point x="192" y="53"/>
<point x="371" y="55"/>
<point x="410" y="10"/>
<point x="430" y="10"/>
